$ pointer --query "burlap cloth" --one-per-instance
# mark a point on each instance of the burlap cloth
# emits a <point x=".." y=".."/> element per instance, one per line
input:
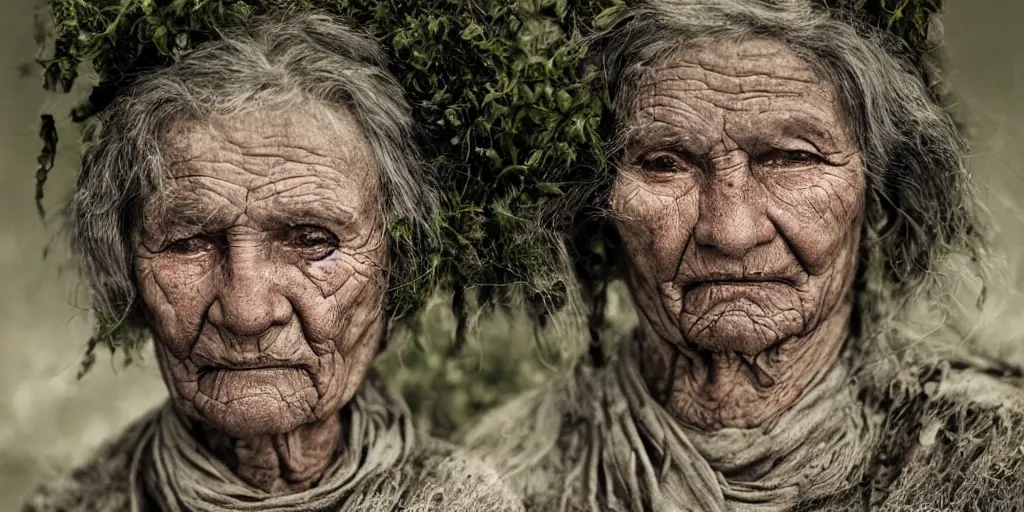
<point x="157" y="465"/>
<point x="938" y="437"/>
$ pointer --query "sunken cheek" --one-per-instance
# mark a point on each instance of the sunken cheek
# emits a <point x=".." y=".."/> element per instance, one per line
<point x="655" y="217"/>
<point x="819" y="214"/>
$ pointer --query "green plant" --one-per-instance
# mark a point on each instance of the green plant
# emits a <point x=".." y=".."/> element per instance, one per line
<point x="510" y="115"/>
<point x="497" y="87"/>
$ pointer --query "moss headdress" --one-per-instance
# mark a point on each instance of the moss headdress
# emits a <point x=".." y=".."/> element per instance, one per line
<point x="510" y="112"/>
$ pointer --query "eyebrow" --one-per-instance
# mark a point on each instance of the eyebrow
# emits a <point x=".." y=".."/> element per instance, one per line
<point x="658" y="134"/>
<point x="801" y="126"/>
<point x="185" y="211"/>
<point x="795" y="126"/>
<point x="299" y="212"/>
<point x="654" y="136"/>
<point x="192" y="212"/>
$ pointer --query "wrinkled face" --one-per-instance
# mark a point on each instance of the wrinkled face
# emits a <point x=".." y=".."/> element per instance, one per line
<point x="262" y="267"/>
<point x="739" y="198"/>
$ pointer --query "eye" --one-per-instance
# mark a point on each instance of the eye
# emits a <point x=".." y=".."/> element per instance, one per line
<point x="192" y="245"/>
<point x="314" y="243"/>
<point x="789" y="158"/>
<point x="662" y="162"/>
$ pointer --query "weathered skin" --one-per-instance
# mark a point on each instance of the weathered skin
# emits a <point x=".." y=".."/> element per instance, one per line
<point x="739" y="201"/>
<point x="262" y="270"/>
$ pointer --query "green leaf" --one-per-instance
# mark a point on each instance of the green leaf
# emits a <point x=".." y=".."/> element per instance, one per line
<point x="473" y="32"/>
<point x="535" y="157"/>
<point x="160" y="40"/>
<point x="550" y="189"/>
<point x="512" y="169"/>
<point x="452" y="116"/>
<point x="563" y="101"/>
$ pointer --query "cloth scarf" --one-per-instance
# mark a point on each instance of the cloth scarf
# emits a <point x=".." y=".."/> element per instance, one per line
<point x="180" y="474"/>
<point x="650" y="461"/>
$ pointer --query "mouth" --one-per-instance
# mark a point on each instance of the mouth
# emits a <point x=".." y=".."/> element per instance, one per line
<point x="225" y="385"/>
<point x="251" y="367"/>
<point x="737" y="281"/>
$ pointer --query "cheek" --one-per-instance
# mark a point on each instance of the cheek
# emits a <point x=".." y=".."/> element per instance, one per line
<point x="340" y="298"/>
<point x="655" y="221"/>
<point x="819" y="215"/>
<point x="176" y="291"/>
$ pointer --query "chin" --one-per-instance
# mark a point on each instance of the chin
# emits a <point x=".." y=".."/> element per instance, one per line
<point x="732" y="333"/>
<point x="732" y="329"/>
<point x="257" y="416"/>
<point x="738" y="319"/>
<point x="247" y="403"/>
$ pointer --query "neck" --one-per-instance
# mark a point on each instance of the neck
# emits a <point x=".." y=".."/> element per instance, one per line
<point x="280" y="463"/>
<point x="710" y="391"/>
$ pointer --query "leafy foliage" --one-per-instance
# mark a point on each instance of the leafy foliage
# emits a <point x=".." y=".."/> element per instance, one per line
<point x="508" y="117"/>
<point x="509" y="113"/>
<point x="446" y="391"/>
<point x="497" y="89"/>
<point x="906" y="19"/>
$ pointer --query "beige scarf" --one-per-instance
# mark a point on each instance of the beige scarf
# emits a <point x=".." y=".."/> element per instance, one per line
<point x="180" y="474"/>
<point x="648" y="460"/>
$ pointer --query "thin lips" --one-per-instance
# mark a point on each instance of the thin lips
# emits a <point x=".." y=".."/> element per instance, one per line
<point x="206" y="361"/>
<point x="736" y="280"/>
<point x="743" y="280"/>
<point x="239" y="366"/>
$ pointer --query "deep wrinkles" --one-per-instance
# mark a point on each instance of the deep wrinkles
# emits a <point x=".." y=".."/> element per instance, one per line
<point x="738" y="355"/>
<point x="219" y="313"/>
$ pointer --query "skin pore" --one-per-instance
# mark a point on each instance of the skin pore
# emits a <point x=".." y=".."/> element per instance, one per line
<point x="262" y="269"/>
<point x="739" y="200"/>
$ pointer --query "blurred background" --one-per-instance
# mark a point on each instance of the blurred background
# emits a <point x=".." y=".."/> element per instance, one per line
<point x="49" y="420"/>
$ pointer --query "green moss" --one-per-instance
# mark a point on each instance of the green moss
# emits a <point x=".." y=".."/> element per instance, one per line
<point x="510" y="117"/>
<point x="907" y="19"/>
<point x="445" y="390"/>
<point x="507" y="116"/>
<point x="112" y="334"/>
<point x="496" y="88"/>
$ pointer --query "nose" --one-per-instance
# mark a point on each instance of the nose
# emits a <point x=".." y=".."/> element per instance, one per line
<point x="733" y="215"/>
<point x="249" y="301"/>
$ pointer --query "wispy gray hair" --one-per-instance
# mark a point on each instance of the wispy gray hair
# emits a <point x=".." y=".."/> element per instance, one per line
<point x="921" y="208"/>
<point x="281" y="60"/>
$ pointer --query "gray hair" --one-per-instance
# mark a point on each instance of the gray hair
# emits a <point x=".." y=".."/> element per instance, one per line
<point x="920" y="205"/>
<point x="284" y="59"/>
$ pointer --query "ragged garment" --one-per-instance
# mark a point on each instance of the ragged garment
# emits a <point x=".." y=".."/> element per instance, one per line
<point x="156" y="465"/>
<point x="942" y="436"/>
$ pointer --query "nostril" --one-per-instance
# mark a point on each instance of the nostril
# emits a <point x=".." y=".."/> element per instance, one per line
<point x="243" y="315"/>
<point x="733" y="231"/>
<point x="250" y="313"/>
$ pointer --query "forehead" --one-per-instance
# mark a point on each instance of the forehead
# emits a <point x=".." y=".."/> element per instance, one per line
<point x="304" y="154"/>
<point x="730" y="64"/>
<point x="742" y="85"/>
<point x="270" y="144"/>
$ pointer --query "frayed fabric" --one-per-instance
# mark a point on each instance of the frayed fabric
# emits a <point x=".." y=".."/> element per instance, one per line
<point x="940" y="437"/>
<point x="156" y="465"/>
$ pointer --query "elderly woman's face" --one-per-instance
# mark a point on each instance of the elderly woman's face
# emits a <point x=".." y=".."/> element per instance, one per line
<point x="262" y="267"/>
<point x="739" y="199"/>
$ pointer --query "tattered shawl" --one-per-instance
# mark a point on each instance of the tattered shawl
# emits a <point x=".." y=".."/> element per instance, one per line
<point x="156" y="465"/>
<point x="943" y="436"/>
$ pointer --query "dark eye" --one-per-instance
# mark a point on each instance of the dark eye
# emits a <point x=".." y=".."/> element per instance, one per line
<point x="662" y="163"/>
<point x="789" y="158"/>
<point x="191" y="245"/>
<point x="314" y="243"/>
